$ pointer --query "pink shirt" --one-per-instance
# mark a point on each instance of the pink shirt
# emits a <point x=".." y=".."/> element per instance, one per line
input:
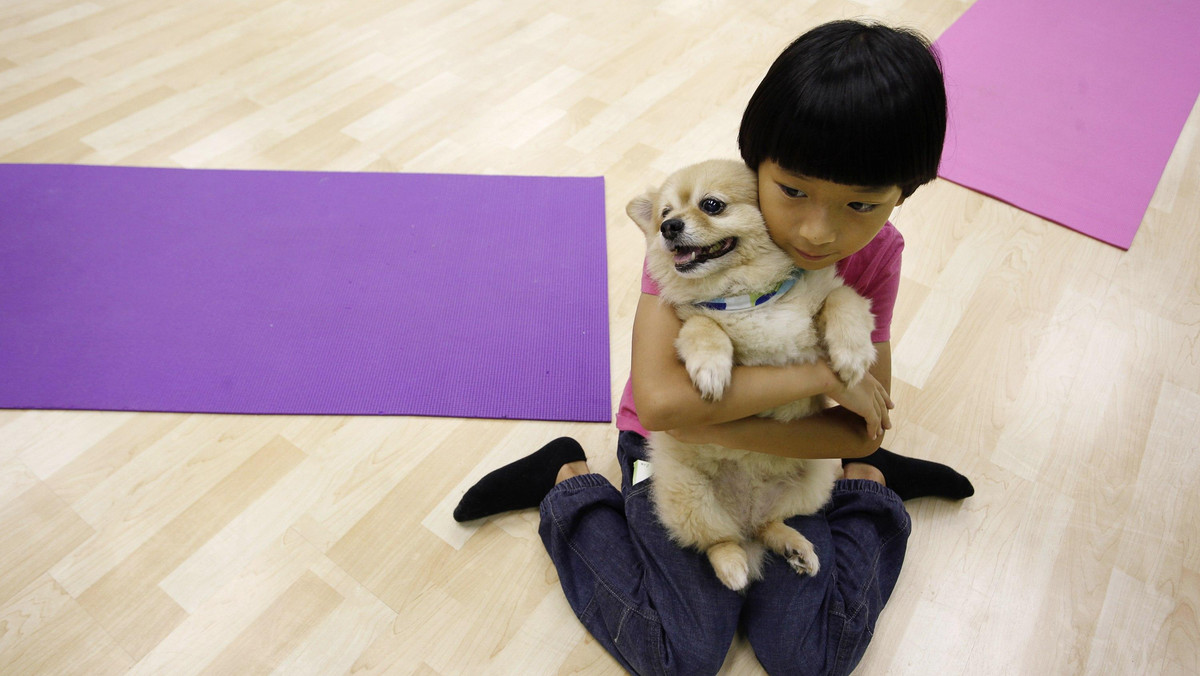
<point x="874" y="272"/>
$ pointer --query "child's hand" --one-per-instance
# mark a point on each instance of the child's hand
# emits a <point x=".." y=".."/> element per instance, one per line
<point x="867" y="399"/>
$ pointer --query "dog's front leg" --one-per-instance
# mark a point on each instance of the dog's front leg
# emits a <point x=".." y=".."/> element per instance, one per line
<point x="708" y="354"/>
<point x="846" y="324"/>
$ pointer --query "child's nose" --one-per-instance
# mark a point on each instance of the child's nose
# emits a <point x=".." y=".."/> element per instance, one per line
<point x="817" y="229"/>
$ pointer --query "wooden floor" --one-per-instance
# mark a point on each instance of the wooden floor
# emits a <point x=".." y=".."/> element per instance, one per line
<point x="1062" y="375"/>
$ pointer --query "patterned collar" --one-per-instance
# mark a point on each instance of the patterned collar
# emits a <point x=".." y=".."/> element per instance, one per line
<point x="752" y="300"/>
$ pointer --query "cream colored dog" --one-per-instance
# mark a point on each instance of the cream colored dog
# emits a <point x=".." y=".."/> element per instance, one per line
<point x="742" y="302"/>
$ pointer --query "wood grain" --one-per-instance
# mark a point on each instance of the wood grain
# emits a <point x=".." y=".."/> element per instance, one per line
<point x="1062" y="375"/>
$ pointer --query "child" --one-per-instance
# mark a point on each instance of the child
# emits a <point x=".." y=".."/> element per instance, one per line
<point x="847" y="123"/>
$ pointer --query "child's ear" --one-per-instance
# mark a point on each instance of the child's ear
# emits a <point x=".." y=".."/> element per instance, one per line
<point x="641" y="210"/>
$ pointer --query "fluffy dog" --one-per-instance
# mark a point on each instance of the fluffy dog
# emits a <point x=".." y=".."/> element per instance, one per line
<point x="742" y="301"/>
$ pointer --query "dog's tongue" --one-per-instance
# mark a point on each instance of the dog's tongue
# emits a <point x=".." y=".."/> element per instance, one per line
<point x="685" y="255"/>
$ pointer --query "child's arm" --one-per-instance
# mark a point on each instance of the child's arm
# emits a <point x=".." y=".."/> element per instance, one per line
<point x="667" y="400"/>
<point x="834" y="433"/>
<point x="663" y="391"/>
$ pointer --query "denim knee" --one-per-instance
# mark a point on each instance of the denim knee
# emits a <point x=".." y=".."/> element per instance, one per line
<point x="837" y="653"/>
<point x="635" y="636"/>
<point x="796" y="654"/>
<point x="793" y="665"/>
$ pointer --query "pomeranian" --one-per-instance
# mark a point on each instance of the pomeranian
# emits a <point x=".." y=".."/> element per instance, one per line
<point x="742" y="301"/>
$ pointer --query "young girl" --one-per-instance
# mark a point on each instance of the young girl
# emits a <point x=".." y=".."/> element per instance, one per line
<point x="847" y="123"/>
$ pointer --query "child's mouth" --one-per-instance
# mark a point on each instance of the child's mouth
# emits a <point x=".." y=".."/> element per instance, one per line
<point x="688" y="257"/>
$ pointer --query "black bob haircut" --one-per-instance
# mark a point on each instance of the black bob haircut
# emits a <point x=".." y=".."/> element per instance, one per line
<point x="853" y="103"/>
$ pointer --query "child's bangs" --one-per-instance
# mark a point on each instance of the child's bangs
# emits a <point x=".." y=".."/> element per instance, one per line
<point x="852" y="143"/>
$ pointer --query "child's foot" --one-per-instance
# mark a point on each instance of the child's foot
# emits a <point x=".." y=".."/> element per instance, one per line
<point x="913" y="478"/>
<point x="521" y="484"/>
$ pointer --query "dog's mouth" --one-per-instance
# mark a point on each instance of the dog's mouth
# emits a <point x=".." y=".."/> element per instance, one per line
<point x="689" y="257"/>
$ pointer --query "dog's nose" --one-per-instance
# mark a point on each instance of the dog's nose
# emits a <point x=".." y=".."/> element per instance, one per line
<point x="671" y="228"/>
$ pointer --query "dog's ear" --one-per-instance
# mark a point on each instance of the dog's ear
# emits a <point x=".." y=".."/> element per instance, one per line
<point x="641" y="210"/>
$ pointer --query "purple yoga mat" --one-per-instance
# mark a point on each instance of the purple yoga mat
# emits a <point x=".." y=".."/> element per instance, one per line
<point x="303" y="293"/>
<point x="1069" y="109"/>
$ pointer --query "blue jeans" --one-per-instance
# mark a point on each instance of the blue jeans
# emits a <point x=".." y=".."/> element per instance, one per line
<point x="659" y="608"/>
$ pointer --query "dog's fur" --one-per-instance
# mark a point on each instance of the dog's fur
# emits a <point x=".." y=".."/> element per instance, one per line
<point x="726" y="502"/>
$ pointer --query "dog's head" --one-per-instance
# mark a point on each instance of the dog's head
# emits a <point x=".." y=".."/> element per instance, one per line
<point x="705" y="235"/>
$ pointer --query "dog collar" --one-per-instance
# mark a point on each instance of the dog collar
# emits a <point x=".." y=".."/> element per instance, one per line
<point x="752" y="300"/>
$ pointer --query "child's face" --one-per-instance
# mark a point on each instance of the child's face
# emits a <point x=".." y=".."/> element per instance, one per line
<point x="818" y="223"/>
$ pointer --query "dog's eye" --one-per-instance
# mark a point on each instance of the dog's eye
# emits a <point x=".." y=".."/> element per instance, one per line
<point x="665" y="211"/>
<point x="712" y="206"/>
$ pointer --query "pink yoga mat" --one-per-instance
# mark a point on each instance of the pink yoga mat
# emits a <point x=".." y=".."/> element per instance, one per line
<point x="1069" y="109"/>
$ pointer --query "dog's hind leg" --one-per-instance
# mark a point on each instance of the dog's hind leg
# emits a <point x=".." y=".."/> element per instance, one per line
<point x="731" y="564"/>
<point x="791" y="545"/>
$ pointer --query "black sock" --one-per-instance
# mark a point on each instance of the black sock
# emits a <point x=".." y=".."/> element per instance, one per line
<point x="913" y="478"/>
<point x="520" y="484"/>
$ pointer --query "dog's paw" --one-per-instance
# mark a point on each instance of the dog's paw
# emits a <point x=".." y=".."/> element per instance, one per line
<point x="845" y="325"/>
<point x="851" y="359"/>
<point x="851" y="369"/>
<point x="711" y="376"/>
<point x="735" y="576"/>
<point x="792" y="546"/>
<point x="803" y="559"/>
<point x="730" y="563"/>
<point x="707" y="353"/>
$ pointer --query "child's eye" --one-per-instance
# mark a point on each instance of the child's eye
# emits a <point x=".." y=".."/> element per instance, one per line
<point x="862" y="207"/>
<point x="712" y="206"/>
<point x="791" y="192"/>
